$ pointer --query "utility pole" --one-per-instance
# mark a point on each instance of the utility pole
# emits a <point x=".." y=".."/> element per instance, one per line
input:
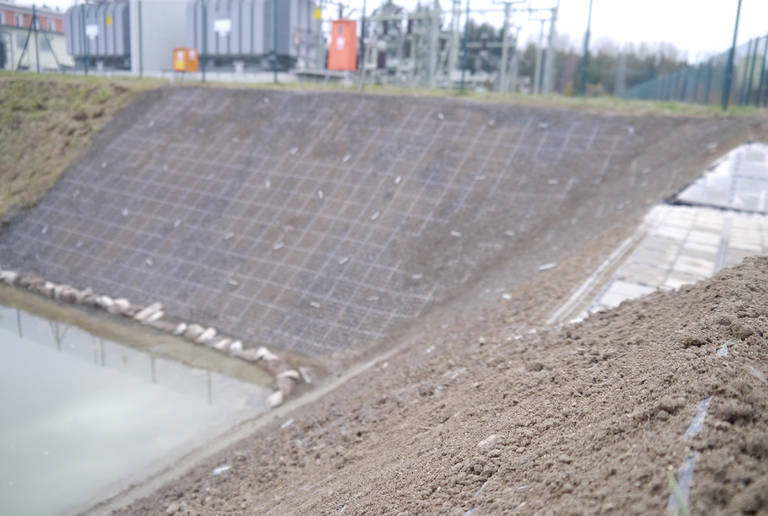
<point x="274" y="40"/>
<point x="204" y="34"/>
<point x="85" y="42"/>
<point x="362" y="47"/>
<point x="537" y="67"/>
<point x="434" y="42"/>
<point x="464" y="56"/>
<point x="549" y="59"/>
<point x="504" y="48"/>
<point x="37" y="47"/>
<point x="728" y="79"/>
<point x="453" y="54"/>
<point x="585" y="58"/>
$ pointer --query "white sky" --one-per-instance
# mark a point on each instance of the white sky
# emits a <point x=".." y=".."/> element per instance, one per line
<point x="698" y="28"/>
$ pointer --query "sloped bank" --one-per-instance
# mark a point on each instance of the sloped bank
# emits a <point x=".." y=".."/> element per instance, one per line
<point x="325" y="223"/>
<point x="588" y="419"/>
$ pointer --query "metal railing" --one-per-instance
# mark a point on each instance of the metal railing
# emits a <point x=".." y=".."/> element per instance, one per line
<point x="705" y="82"/>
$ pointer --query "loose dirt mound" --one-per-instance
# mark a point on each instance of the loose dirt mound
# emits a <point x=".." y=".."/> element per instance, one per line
<point x="584" y="420"/>
<point x="323" y="222"/>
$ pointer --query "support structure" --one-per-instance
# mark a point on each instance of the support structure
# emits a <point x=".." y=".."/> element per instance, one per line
<point x="728" y="78"/>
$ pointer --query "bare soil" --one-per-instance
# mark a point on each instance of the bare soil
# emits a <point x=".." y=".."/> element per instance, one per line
<point x="587" y="419"/>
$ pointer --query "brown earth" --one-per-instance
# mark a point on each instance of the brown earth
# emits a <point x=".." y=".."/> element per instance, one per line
<point x="472" y="415"/>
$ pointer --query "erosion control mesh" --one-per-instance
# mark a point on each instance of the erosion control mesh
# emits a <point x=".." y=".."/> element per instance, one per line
<point x="318" y="222"/>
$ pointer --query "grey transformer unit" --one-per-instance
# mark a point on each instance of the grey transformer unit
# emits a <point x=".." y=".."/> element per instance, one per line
<point x="229" y="31"/>
<point x="99" y="32"/>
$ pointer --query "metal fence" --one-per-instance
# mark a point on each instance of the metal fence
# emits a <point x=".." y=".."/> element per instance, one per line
<point x="706" y="82"/>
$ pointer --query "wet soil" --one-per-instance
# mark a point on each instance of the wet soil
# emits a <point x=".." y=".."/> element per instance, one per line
<point x="484" y="412"/>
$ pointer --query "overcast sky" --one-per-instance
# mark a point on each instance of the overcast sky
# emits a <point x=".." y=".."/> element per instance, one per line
<point x="699" y="28"/>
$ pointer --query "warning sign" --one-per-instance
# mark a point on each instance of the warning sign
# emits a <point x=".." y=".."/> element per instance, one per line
<point x="318" y="14"/>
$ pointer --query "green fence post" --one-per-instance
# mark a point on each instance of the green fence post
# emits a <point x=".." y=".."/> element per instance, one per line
<point x="708" y="86"/>
<point x="760" y="88"/>
<point x="745" y="75"/>
<point x="728" y="76"/>
<point x="751" y="65"/>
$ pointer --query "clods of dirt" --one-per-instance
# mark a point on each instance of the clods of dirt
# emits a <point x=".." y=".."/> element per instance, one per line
<point x="587" y="419"/>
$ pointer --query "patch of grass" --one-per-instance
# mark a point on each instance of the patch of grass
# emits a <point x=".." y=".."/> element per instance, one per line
<point x="610" y="105"/>
<point x="47" y="122"/>
<point x="677" y="494"/>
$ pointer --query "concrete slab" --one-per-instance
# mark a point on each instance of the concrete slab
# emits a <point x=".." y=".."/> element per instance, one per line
<point x="739" y="182"/>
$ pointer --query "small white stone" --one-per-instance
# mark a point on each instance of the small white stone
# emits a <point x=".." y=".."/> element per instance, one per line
<point x="229" y="235"/>
<point x="44" y="230"/>
<point x="149" y="262"/>
<point x="122" y="304"/>
<point x="154" y="317"/>
<point x="343" y="260"/>
<point x="278" y="246"/>
<point x="375" y="215"/>
<point x="547" y="266"/>
<point x="440" y="116"/>
<point x="294" y="150"/>
<point x="267" y="184"/>
<point x="398" y="180"/>
<point x="146" y="312"/>
<point x="180" y="328"/>
<point x="314" y="304"/>
<point x="275" y="399"/>
<point x="291" y="373"/>
<point x="236" y="346"/>
<point x="223" y="344"/>
<point x="103" y="164"/>
<point x="221" y="469"/>
<point x="176" y="223"/>
<point x="346" y="158"/>
<point x="232" y="283"/>
<point x="455" y="234"/>
<point x="417" y="276"/>
<point x="207" y="335"/>
<point x="125" y="212"/>
<point x="320" y="194"/>
<point x="506" y="296"/>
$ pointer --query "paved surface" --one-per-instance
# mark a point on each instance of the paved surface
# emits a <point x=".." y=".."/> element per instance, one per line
<point x="739" y="181"/>
<point x="320" y="222"/>
<point x="685" y="244"/>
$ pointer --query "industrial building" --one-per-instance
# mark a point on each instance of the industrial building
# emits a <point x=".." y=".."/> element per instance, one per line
<point x="47" y="47"/>
<point x="140" y="36"/>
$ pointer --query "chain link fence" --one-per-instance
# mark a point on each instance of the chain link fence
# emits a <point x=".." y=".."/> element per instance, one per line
<point x="706" y="82"/>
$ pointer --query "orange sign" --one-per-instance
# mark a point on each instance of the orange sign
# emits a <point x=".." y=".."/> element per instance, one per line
<point x="185" y="60"/>
<point x="343" y="52"/>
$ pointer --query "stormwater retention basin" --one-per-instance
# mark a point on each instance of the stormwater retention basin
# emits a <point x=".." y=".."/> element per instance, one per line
<point x="85" y="417"/>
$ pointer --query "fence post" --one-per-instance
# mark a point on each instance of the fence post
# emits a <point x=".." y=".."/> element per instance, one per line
<point x="728" y="77"/>
<point x="745" y="75"/>
<point x="708" y="87"/>
<point x="752" y="71"/>
<point x="760" y="95"/>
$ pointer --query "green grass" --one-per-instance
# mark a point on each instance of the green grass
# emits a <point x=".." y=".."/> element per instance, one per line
<point x="605" y="104"/>
<point x="47" y="122"/>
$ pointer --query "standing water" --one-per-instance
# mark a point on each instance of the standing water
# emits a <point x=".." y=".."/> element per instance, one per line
<point x="83" y="417"/>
